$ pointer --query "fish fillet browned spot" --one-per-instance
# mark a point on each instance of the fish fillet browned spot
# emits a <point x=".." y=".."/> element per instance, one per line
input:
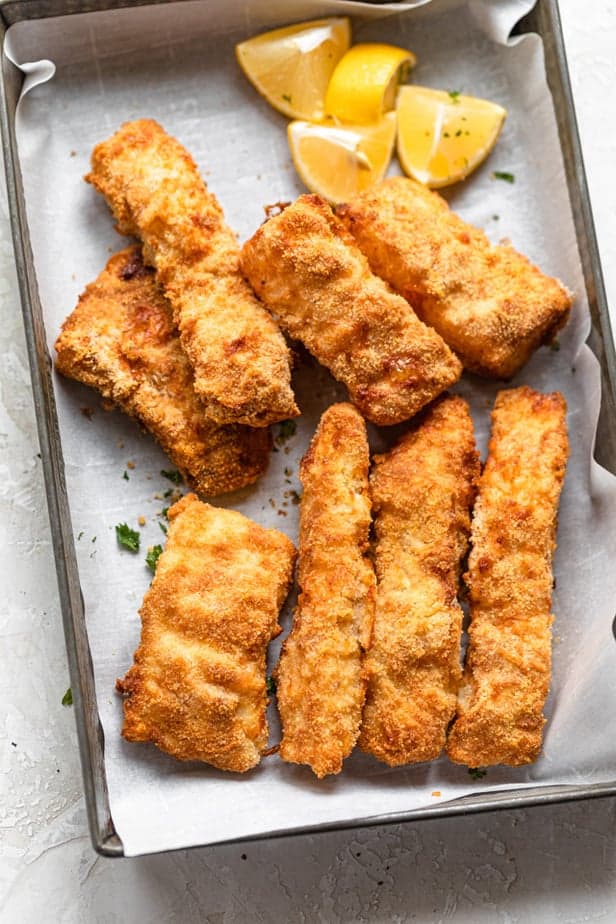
<point x="121" y="340"/>
<point x="239" y="356"/>
<point x="321" y="683"/>
<point x="423" y="490"/>
<point x="309" y="271"/>
<point x="507" y="673"/>
<point x="197" y="687"/>
<point x="488" y="302"/>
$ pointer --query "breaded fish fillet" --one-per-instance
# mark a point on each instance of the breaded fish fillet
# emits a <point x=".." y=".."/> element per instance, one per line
<point x="121" y="340"/>
<point x="423" y="490"/>
<point x="197" y="686"/>
<point x="239" y="356"/>
<point x="309" y="271"/>
<point x="321" y="685"/>
<point x="507" y="673"/>
<point x="489" y="303"/>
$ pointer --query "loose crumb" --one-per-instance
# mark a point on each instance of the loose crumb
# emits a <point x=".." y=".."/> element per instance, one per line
<point x="130" y="464"/>
<point x="436" y="792"/>
<point x="87" y="412"/>
<point x="141" y="521"/>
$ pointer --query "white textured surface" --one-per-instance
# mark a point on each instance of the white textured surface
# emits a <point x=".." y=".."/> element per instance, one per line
<point x="552" y="865"/>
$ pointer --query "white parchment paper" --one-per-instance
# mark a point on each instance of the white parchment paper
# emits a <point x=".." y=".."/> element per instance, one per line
<point x="176" y="64"/>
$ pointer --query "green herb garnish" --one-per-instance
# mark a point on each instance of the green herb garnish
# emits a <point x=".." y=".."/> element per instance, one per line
<point x="125" y="475"/>
<point x="287" y="429"/>
<point x="67" y="699"/>
<point x="454" y="95"/>
<point x="172" y="474"/>
<point x="128" y="538"/>
<point x="477" y="773"/>
<point x="286" y="97"/>
<point x="270" y="685"/>
<point x="503" y="175"/>
<point x="555" y="346"/>
<point x="162" y="527"/>
<point x="151" y="559"/>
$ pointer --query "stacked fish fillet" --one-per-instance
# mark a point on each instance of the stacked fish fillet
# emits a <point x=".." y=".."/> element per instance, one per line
<point x="395" y="295"/>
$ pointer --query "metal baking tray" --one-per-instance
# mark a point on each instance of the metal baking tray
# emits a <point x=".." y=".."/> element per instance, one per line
<point x="544" y="20"/>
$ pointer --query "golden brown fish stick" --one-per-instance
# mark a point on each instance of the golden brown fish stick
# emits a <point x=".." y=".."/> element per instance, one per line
<point x="422" y="491"/>
<point x="239" y="356"/>
<point x="121" y="340"/>
<point x="507" y="673"/>
<point x="310" y="273"/>
<point x="489" y="303"/>
<point x="321" y="685"/>
<point x="197" y="686"/>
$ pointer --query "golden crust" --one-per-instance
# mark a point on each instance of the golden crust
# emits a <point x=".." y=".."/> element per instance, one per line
<point x="489" y="303"/>
<point x="310" y="273"/>
<point x="239" y="356"/>
<point x="507" y="673"/>
<point x="197" y="685"/>
<point x="321" y="684"/>
<point x="422" y="490"/>
<point x="121" y="340"/>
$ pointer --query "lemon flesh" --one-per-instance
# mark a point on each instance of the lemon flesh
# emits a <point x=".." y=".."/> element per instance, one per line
<point x="365" y="81"/>
<point x="443" y="137"/>
<point x="337" y="162"/>
<point x="291" y="67"/>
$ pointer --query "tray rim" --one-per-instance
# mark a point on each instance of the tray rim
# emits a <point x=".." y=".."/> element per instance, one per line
<point x="544" y="19"/>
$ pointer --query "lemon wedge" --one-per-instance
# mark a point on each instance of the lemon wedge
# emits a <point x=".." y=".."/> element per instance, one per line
<point x="365" y="81"/>
<point x="291" y="67"/>
<point x="338" y="162"/>
<point x="442" y="137"/>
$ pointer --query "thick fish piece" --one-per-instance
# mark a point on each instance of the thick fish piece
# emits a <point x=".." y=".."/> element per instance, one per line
<point x="240" y="359"/>
<point x="320" y="680"/>
<point x="488" y="302"/>
<point x="197" y="687"/>
<point x="507" y="673"/>
<point x="310" y="273"/>
<point x="121" y="340"/>
<point x="423" y="491"/>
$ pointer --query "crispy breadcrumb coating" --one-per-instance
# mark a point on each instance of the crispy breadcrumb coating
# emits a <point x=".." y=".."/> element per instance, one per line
<point x="121" y="340"/>
<point x="321" y="684"/>
<point x="309" y="271"/>
<point x="489" y="303"/>
<point x="239" y="356"/>
<point x="197" y="686"/>
<point x="423" y="490"/>
<point x="507" y="673"/>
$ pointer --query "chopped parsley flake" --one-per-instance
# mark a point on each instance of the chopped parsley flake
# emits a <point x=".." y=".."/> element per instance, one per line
<point x="165" y="512"/>
<point x="270" y="685"/>
<point x="286" y="97"/>
<point x="128" y="538"/>
<point x="168" y="493"/>
<point x="151" y="559"/>
<point x="555" y="346"/>
<point x="477" y="773"/>
<point x="286" y="430"/>
<point x="162" y="527"/>
<point x="503" y="175"/>
<point x="67" y="699"/>
<point x="125" y="476"/>
<point x="172" y="474"/>
<point x="454" y="95"/>
<point x="80" y="535"/>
